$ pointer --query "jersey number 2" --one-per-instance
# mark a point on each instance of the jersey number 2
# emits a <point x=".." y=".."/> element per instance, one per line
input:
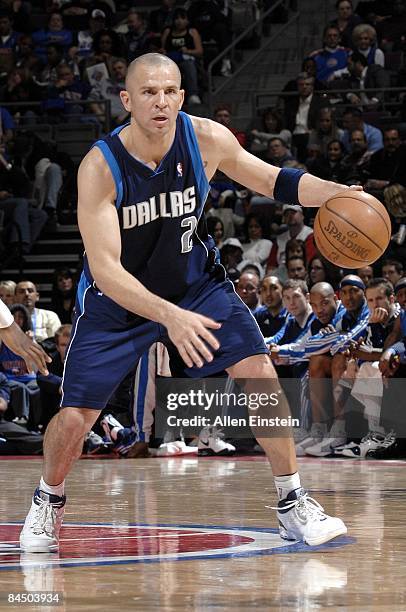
<point x="186" y="238"/>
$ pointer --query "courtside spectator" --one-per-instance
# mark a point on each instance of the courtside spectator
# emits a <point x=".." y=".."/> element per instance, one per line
<point x="392" y="270"/>
<point x="222" y="114"/>
<point x="296" y="229"/>
<point x="44" y="322"/>
<point x="366" y="274"/>
<point x="256" y="248"/>
<point x="7" y="291"/>
<point x="63" y="294"/>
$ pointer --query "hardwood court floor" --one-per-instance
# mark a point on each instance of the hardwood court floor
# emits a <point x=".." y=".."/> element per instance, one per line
<point x="194" y="534"/>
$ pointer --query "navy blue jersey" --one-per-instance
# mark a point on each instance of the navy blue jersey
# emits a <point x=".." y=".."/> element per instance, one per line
<point x="269" y="324"/>
<point x="164" y="239"/>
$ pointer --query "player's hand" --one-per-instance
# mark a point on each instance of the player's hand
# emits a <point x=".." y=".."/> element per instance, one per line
<point x="273" y="350"/>
<point x="34" y="356"/>
<point x="329" y="329"/>
<point x="189" y="332"/>
<point x="378" y="315"/>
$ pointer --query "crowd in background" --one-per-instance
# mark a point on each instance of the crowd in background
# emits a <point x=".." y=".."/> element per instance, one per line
<point x="322" y="323"/>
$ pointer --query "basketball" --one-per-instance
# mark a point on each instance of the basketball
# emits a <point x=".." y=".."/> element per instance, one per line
<point x="352" y="229"/>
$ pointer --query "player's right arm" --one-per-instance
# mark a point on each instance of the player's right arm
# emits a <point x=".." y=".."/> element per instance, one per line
<point x="100" y="230"/>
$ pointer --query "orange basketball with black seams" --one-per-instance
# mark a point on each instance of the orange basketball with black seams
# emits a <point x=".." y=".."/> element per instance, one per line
<point x="352" y="229"/>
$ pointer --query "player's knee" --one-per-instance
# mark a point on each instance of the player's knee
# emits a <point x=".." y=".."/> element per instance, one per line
<point x="339" y="363"/>
<point x="320" y="366"/>
<point x="78" y="419"/>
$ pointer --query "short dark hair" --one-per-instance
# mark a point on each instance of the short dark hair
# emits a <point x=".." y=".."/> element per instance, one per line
<point x="393" y="262"/>
<point x="339" y="2"/>
<point x="356" y="56"/>
<point x="381" y="282"/>
<point x="296" y="283"/>
<point x="27" y="325"/>
<point x="351" y="110"/>
<point x="283" y="143"/>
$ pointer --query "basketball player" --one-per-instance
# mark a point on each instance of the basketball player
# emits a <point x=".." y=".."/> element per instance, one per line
<point x="149" y="275"/>
<point x="18" y="342"/>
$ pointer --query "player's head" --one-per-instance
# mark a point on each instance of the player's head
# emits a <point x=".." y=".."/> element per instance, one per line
<point x="379" y="294"/>
<point x="295" y="297"/>
<point x="323" y="302"/>
<point x="153" y="93"/>
<point x="271" y="292"/>
<point x="352" y="292"/>
<point x="400" y="292"/>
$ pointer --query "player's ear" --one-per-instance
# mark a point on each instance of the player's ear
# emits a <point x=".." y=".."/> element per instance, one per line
<point x="182" y="98"/>
<point x="125" y="99"/>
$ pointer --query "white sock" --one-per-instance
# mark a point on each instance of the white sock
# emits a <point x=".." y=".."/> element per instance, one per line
<point x="374" y="424"/>
<point x="52" y="489"/>
<point x="285" y="484"/>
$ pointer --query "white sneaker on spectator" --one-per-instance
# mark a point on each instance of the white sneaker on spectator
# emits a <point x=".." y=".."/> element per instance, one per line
<point x="194" y="100"/>
<point x="211" y="442"/>
<point x="317" y="433"/>
<point x="40" y="533"/>
<point x="299" y="434"/>
<point x="302" y="518"/>
<point x="371" y="442"/>
<point x="335" y="437"/>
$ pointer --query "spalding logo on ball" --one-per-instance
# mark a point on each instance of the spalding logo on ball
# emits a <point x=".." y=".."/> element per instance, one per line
<point x="352" y="229"/>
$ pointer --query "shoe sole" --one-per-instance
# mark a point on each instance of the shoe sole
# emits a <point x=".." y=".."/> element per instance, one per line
<point x="314" y="541"/>
<point x="208" y="452"/>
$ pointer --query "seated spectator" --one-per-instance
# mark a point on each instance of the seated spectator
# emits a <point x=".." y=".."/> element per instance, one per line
<point x="271" y="127"/>
<point x="296" y="229"/>
<point x="66" y="90"/>
<point x="207" y="18"/>
<point x="84" y="38"/>
<point x="50" y="386"/>
<point x="332" y="56"/>
<point x="222" y="114"/>
<point x="387" y="166"/>
<point x="231" y="254"/>
<point x="215" y="228"/>
<point x="20" y="14"/>
<point x="7" y="126"/>
<point x="184" y="45"/>
<point x="15" y="439"/>
<point x="8" y="42"/>
<point x="63" y="294"/>
<point x="48" y="75"/>
<point x="107" y="47"/>
<point x="137" y="40"/>
<point x="25" y="58"/>
<point x="55" y="33"/>
<point x="366" y="78"/>
<point x="352" y="120"/>
<point x="320" y="270"/>
<point x="325" y="131"/>
<point x="392" y="270"/>
<point x="366" y="274"/>
<point x="346" y="21"/>
<point x="23" y="385"/>
<point x="295" y="248"/>
<point x="301" y="113"/>
<point x="44" y="322"/>
<point x="271" y="315"/>
<point x="76" y="13"/>
<point x="391" y="31"/>
<point x="277" y="153"/>
<point x="21" y="87"/>
<point x="161" y="18"/>
<point x="248" y="289"/>
<point x="7" y="291"/>
<point x="364" y="41"/>
<point x="330" y="167"/>
<point x="224" y="209"/>
<point x="256" y="248"/>
<point x="296" y="268"/>
<point x="23" y="222"/>
<point x="355" y="164"/>
<point x="109" y="89"/>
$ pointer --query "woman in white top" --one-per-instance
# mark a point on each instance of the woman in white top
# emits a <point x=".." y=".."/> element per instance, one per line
<point x="257" y="248"/>
<point x="364" y="41"/>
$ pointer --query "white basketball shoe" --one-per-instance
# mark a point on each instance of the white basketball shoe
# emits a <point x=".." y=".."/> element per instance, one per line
<point x="302" y="518"/>
<point x="40" y="533"/>
<point x="371" y="442"/>
<point x="211" y="442"/>
<point x="316" y="435"/>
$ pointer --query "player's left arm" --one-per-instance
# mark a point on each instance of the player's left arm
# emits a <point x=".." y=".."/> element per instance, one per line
<point x="270" y="181"/>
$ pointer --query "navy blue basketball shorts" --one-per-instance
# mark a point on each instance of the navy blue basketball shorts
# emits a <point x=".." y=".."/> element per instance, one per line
<point x="107" y="340"/>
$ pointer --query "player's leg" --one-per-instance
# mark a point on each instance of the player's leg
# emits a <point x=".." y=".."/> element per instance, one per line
<point x="300" y="517"/>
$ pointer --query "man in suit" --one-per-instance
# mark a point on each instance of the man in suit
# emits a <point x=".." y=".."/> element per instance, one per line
<point x="366" y="78"/>
<point x="301" y="112"/>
